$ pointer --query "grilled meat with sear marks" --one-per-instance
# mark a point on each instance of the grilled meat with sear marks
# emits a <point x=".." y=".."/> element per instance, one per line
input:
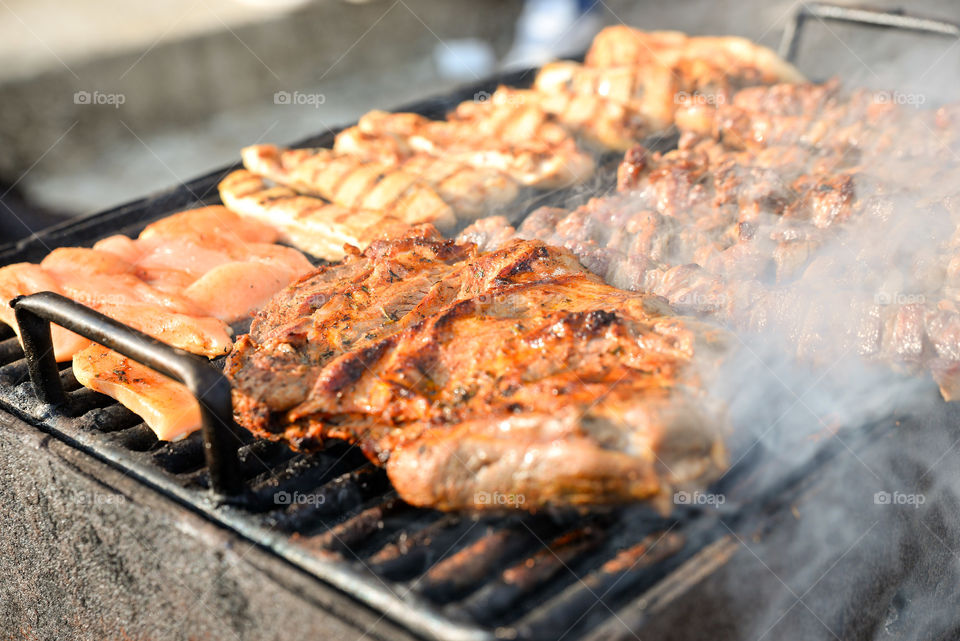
<point x="471" y="374"/>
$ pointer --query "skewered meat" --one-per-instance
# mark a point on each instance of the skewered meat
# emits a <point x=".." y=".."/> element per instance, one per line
<point x="420" y="183"/>
<point x="622" y="45"/>
<point x="602" y="123"/>
<point x="648" y="89"/>
<point x="514" y="371"/>
<point x="822" y="117"/>
<point x="309" y="223"/>
<point x="795" y="209"/>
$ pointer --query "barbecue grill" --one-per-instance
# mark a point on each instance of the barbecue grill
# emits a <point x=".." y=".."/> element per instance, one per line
<point x="247" y="538"/>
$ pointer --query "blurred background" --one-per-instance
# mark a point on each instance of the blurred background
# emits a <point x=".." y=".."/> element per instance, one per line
<point x="107" y="101"/>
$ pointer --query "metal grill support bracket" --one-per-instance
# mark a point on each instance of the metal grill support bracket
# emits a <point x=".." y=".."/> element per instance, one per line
<point x="209" y="386"/>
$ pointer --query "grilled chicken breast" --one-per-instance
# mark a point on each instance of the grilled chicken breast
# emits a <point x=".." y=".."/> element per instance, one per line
<point x="181" y="281"/>
<point x="210" y="226"/>
<point x="106" y="283"/>
<point x="166" y="406"/>
<point x="418" y="182"/>
<point x="21" y="279"/>
<point x="619" y="46"/>
<point x="307" y="222"/>
<point x="633" y="82"/>
<point x="201" y="335"/>
<point x="351" y="182"/>
<point x="520" y="140"/>
<point x="464" y="373"/>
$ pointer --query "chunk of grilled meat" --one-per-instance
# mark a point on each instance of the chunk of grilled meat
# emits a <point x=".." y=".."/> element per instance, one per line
<point x="464" y="373"/>
<point x="516" y="138"/>
<point x="824" y="117"/>
<point x="420" y="183"/>
<point x="740" y="215"/>
<point x="489" y="233"/>
<point x="807" y="212"/>
<point x="311" y="224"/>
<point x="819" y="318"/>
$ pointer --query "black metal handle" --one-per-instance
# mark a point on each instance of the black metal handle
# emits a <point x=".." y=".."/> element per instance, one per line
<point x="208" y="385"/>
<point x="896" y="19"/>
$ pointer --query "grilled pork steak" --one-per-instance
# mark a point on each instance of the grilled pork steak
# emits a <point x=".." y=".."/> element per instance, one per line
<point x="473" y="376"/>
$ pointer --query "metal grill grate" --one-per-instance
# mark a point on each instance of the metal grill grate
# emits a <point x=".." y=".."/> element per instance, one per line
<point x="444" y="576"/>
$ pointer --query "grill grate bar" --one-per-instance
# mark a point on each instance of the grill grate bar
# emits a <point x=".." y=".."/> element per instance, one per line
<point x="412" y="553"/>
<point x="83" y="400"/>
<point x="516" y="585"/>
<point x="111" y="418"/>
<point x="139" y="438"/>
<point x="467" y="570"/>
<point x="622" y="574"/>
<point x="14" y="373"/>
<point x="336" y="498"/>
<point x="181" y="457"/>
<point x="10" y="350"/>
<point x="347" y="537"/>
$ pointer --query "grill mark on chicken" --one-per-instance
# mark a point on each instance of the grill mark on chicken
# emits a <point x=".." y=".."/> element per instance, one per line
<point x="418" y="184"/>
<point x="309" y="223"/>
<point x="509" y="136"/>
